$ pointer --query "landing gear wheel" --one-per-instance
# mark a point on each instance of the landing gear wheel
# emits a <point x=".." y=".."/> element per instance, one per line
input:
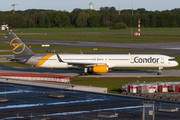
<point x="86" y="73"/>
<point x="159" y="73"/>
<point x="90" y="72"/>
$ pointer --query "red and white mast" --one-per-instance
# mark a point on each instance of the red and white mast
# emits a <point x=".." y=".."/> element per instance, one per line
<point x="139" y="26"/>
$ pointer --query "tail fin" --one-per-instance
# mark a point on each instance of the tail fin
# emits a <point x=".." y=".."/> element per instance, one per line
<point x="17" y="46"/>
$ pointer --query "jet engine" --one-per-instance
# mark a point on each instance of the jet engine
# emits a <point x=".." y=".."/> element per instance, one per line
<point x="98" y="69"/>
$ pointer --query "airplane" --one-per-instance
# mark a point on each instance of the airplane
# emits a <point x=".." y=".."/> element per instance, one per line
<point x="98" y="63"/>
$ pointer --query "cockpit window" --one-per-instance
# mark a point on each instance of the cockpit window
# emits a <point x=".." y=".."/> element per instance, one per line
<point x="170" y="59"/>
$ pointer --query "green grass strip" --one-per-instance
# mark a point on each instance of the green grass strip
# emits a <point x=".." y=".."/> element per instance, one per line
<point x="114" y="84"/>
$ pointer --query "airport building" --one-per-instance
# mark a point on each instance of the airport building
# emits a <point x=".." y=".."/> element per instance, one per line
<point x="4" y="27"/>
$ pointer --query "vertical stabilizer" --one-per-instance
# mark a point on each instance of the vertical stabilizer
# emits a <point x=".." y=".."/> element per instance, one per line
<point x="17" y="46"/>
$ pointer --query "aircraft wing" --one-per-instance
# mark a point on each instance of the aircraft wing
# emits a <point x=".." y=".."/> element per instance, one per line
<point x="80" y="64"/>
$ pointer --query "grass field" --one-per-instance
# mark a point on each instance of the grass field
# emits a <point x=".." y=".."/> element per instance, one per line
<point x="6" y="46"/>
<point x="148" y="37"/>
<point x="76" y="50"/>
<point x="102" y="29"/>
<point x="114" y="84"/>
<point x="124" y="38"/>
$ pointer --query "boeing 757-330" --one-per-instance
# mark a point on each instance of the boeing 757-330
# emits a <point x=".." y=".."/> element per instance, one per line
<point x="99" y="63"/>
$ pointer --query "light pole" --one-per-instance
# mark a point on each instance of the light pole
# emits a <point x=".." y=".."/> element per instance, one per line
<point x="72" y="86"/>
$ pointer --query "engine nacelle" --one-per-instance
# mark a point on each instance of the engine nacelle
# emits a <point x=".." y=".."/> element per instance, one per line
<point x="100" y="68"/>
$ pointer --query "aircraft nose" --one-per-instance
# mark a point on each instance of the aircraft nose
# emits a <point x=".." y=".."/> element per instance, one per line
<point x="176" y="63"/>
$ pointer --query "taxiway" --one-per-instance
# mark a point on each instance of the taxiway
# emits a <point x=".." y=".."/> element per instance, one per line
<point x="75" y="72"/>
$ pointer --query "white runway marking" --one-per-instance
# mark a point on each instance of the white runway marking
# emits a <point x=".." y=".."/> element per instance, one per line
<point x="9" y="92"/>
<point x="176" y="48"/>
<point x="41" y="104"/>
<point x="81" y="112"/>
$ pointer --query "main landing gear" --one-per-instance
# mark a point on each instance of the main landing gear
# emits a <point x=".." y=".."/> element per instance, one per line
<point x="87" y="71"/>
<point x="159" y="72"/>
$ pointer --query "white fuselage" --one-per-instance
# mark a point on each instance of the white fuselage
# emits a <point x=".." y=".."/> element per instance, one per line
<point x="131" y="60"/>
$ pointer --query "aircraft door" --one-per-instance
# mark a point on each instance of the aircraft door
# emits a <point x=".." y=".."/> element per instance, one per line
<point x="132" y="59"/>
<point x="162" y="59"/>
<point x="95" y="59"/>
<point x="32" y="59"/>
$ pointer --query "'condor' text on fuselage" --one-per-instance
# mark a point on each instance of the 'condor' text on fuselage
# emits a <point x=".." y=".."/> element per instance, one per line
<point x="146" y="60"/>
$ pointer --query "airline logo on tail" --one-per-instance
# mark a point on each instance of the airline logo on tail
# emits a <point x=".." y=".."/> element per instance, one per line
<point x="17" y="47"/>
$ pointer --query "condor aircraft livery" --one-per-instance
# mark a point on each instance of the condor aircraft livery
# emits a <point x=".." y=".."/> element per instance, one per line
<point x="99" y="63"/>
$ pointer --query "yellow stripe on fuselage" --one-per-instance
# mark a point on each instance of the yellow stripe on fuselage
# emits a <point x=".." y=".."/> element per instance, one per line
<point x="44" y="60"/>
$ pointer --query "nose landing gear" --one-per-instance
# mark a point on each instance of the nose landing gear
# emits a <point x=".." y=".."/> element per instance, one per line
<point x="159" y="72"/>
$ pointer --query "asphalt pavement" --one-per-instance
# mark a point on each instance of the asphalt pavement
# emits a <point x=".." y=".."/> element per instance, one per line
<point x="27" y="102"/>
<point x="76" y="72"/>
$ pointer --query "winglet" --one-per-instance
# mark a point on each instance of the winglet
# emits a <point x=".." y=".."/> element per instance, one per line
<point x="60" y="60"/>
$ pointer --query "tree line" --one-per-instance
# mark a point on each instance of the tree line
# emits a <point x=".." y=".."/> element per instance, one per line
<point x="105" y="17"/>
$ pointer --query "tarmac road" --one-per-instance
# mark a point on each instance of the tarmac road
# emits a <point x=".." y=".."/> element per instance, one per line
<point x="174" y="48"/>
<point x="171" y="46"/>
<point x="27" y="102"/>
<point x="76" y="72"/>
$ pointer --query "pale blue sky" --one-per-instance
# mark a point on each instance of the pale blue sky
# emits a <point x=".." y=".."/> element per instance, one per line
<point x="69" y="5"/>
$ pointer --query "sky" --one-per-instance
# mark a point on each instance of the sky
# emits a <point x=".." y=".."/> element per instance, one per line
<point x="69" y="5"/>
